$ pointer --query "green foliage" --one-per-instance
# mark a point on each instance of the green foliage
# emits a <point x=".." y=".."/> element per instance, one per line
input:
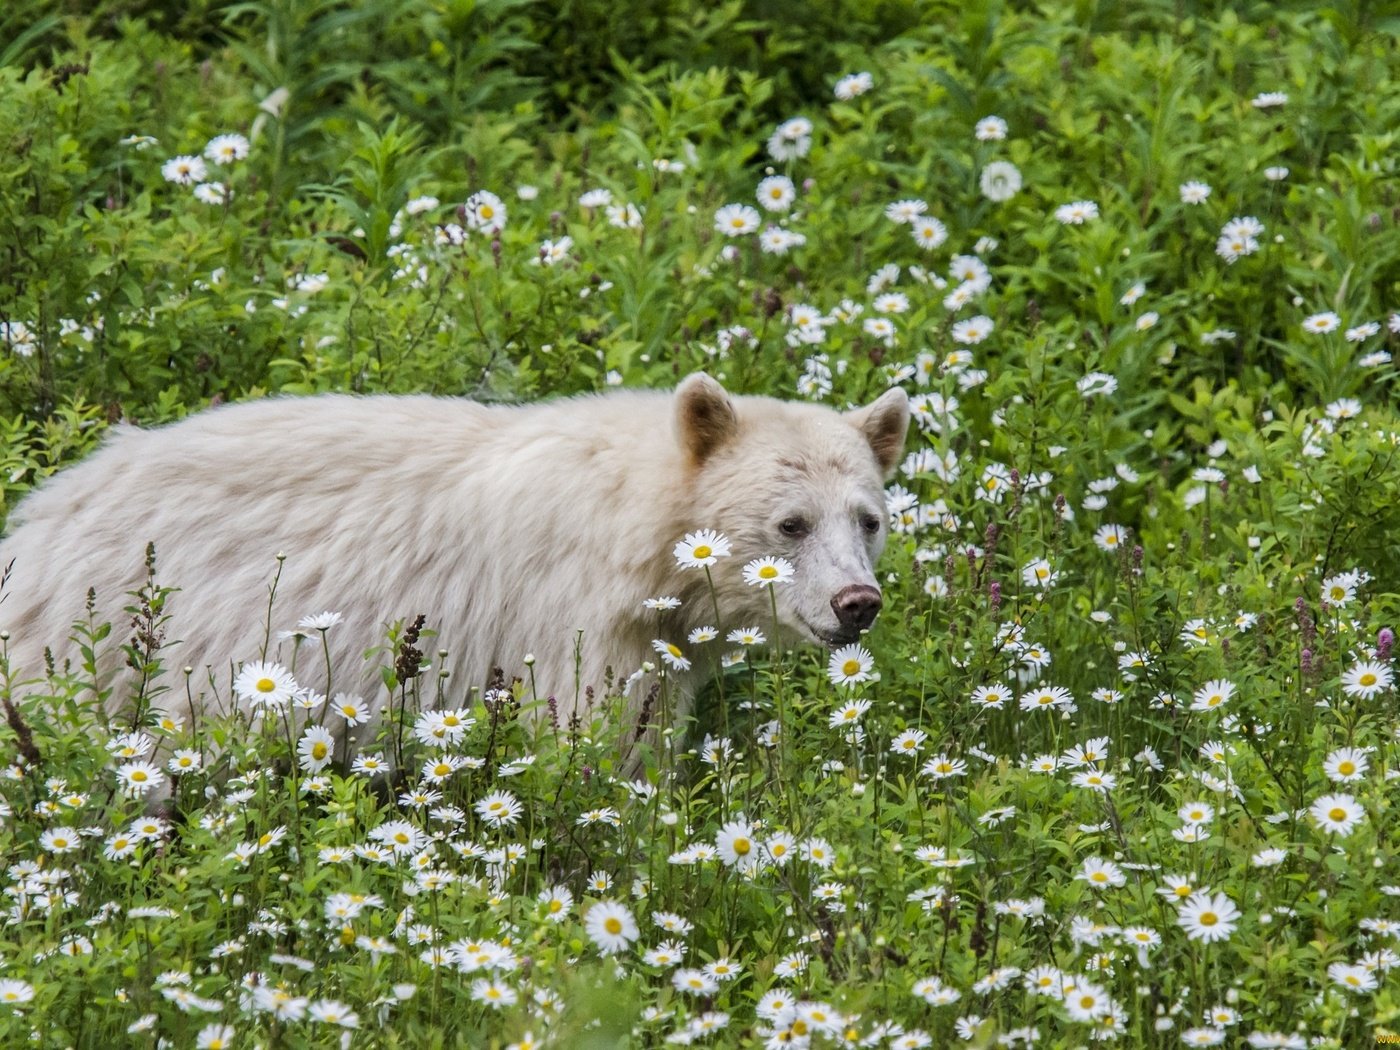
<point x="1168" y="474"/>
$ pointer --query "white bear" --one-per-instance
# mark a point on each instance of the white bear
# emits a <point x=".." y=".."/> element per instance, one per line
<point x="512" y="529"/>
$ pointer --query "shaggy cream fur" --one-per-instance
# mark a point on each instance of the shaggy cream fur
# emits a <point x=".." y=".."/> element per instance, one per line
<point x="511" y="528"/>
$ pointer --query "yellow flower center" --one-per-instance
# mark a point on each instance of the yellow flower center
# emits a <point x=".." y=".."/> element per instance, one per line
<point x="555" y="907"/>
<point x="1214" y="700"/>
<point x="139" y="776"/>
<point x="850" y="667"/>
<point x="318" y="750"/>
<point x="673" y="651"/>
<point x="768" y="572"/>
<point x="1098" y="876"/>
<point x="742" y="846"/>
<point x="265" y="685"/>
<point x="1208" y="918"/>
<point x="1367" y="679"/>
<point x="1337" y="813"/>
<point x="702" y="551"/>
<point x="1110" y="539"/>
<point x="1346" y="769"/>
<point x="613" y="925"/>
<point x="488" y="212"/>
<point x="1183" y="891"/>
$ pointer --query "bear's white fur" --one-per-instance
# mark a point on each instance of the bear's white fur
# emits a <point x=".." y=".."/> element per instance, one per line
<point x="511" y="528"/>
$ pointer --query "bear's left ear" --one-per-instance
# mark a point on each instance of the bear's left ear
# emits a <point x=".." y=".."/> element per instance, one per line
<point x="885" y="424"/>
<point x="705" y="417"/>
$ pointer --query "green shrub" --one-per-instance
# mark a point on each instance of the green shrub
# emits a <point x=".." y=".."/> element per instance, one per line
<point x="1156" y="453"/>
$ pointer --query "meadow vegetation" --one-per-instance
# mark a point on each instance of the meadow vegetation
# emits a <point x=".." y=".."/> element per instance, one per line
<point x="1115" y="764"/>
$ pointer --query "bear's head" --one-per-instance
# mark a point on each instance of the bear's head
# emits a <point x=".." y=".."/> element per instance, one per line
<point x="797" y="481"/>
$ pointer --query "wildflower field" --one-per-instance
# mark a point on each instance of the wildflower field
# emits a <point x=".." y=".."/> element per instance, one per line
<point x="1115" y="765"/>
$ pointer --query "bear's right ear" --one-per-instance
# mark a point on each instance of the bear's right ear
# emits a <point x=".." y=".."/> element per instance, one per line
<point x="705" y="417"/>
<point x="885" y="424"/>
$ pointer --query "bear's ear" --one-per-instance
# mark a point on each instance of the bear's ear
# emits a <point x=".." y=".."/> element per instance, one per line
<point x="705" y="417"/>
<point x="885" y="424"/>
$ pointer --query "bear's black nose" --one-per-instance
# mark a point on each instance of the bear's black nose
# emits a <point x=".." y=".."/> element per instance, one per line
<point x="857" y="606"/>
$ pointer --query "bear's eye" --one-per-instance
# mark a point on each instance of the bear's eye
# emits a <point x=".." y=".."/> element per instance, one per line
<point x="870" y="523"/>
<point x="793" y="527"/>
